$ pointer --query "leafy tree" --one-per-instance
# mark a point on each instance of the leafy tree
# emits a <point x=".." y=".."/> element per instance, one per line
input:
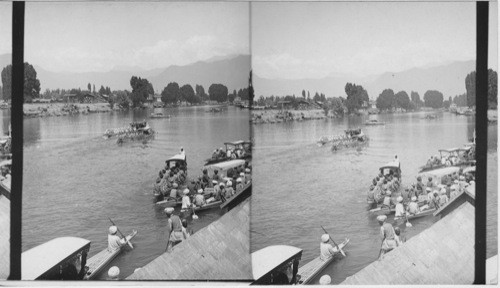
<point x="171" y="93"/>
<point x="356" y="95"/>
<point x="93" y="90"/>
<point x="251" y="94"/>
<point x="102" y="90"/>
<point x="187" y="93"/>
<point x="141" y="89"/>
<point x="385" y="100"/>
<point x="218" y="92"/>
<point x="31" y="87"/>
<point x="415" y="98"/>
<point x="433" y="98"/>
<point x="492" y="88"/>
<point x="303" y="93"/>
<point x="200" y="93"/>
<point x="89" y="86"/>
<point x="470" y="87"/>
<point x="402" y="100"/>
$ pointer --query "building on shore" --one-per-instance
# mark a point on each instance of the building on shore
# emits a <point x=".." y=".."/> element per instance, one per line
<point x="220" y="251"/>
<point x="441" y="254"/>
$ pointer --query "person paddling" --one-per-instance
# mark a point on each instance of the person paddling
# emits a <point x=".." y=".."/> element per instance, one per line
<point x="326" y="249"/>
<point x="114" y="241"/>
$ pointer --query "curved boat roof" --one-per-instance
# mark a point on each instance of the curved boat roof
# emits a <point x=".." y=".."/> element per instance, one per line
<point x="392" y="164"/>
<point x="237" y="142"/>
<point x="268" y="258"/>
<point x="454" y="149"/>
<point x="441" y="172"/>
<point x="177" y="157"/>
<point x="226" y="164"/>
<point x="469" y="169"/>
<point x="44" y="257"/>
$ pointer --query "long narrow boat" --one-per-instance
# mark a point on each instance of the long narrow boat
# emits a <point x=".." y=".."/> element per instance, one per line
<point x="401" y="220"/>
<point x="310" y="270"/>
<point x="211" y="205"/>
<point x="97" y="262"/>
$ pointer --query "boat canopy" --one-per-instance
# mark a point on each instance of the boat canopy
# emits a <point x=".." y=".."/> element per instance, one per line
<point x="471" y="169"/>
<point x="438" y="174"/>
<point x="42" y="258"/>
<point x="391" y="165"/>
<point x="239" y="142"/>
<point x="451" y="150"/>
<point x="6" y="163"/>
<point x="177" y="157"/>
<point x="270" y="258"/>
<point x="224" y="166"/>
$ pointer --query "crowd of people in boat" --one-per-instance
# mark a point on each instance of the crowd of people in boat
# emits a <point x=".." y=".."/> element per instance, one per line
<point x="195" y="194"/>
<point x="452" y="159"/>
<point x="134" y="129"/>
<point x="418" y="196"/>
<point x="220" y="154"/>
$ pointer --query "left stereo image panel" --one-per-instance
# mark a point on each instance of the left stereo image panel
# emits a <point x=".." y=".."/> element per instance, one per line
<point x="5" y="136"/>
<point x="137" y="147"/>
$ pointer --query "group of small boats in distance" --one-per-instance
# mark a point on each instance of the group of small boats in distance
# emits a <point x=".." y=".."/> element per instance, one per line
<point x="135" y="131"/>
<point x="351" y="138"/>
<point x="373" y="122"/>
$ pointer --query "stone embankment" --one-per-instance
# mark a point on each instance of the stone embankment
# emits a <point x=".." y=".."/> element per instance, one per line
<point x="279" y="116"/>
<point x="60" y="109"/>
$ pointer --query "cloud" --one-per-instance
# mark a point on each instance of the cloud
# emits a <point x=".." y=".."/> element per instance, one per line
<point x="163" y="53"/>
<point x="287" y="66"/>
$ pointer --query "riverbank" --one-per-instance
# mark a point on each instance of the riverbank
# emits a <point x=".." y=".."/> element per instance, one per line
<point x="279" y="116"/>
<point x="63" y="109"/>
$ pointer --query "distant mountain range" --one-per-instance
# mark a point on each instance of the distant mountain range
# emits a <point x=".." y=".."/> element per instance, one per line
<point x="232" y="71"/>
<point x="448" y="79"/>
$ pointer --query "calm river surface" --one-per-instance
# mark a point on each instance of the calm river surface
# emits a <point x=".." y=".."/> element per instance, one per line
<point x="74" y="179"/>
<point x="299" y="186"/>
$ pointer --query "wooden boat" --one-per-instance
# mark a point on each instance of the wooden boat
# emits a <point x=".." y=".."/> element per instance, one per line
<point x="48" y="260"/>
<point x="350" y="138"/>
<point x="401" y="220"/>
<point x="135" y="130"/>
<point x="159" y="115"/>
<point x="97" y="262"/>
<point x="244" y="146"/>
<point x="310" y="270"/>
<point x="391" y="168"/>
<point x="462" y="154"/>
<point x="373" y="122"/>
<point x="269" y="264"/>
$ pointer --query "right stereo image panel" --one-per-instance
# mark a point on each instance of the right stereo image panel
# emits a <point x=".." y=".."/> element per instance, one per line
<point x="364" y="149"/>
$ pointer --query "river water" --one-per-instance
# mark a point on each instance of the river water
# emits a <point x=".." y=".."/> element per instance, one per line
<point x="299" y="186"/>
<point x="74" y="179"/>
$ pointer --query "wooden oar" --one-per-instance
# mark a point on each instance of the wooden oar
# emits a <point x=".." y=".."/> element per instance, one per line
<point x="128" y="242"/>
<point x="338" y="248"/>
<point x="194" y="214"/>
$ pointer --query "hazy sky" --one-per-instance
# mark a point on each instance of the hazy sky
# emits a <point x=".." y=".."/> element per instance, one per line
<point x="97" y="36"/>
<point x="5" y="27"/>
<point x="313" y="40"/>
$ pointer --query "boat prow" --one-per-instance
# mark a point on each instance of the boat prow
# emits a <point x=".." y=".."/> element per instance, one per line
<point x="97" y="262"/>
<point x="310" y="270"/>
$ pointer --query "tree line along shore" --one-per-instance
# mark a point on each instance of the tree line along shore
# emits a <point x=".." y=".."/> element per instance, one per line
<point x="59" y="102"/>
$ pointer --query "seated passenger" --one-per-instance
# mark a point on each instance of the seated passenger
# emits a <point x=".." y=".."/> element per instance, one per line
<point x="199" y="199"/>
<point x="413" y="207"/>
<point x="173" y="191"/>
